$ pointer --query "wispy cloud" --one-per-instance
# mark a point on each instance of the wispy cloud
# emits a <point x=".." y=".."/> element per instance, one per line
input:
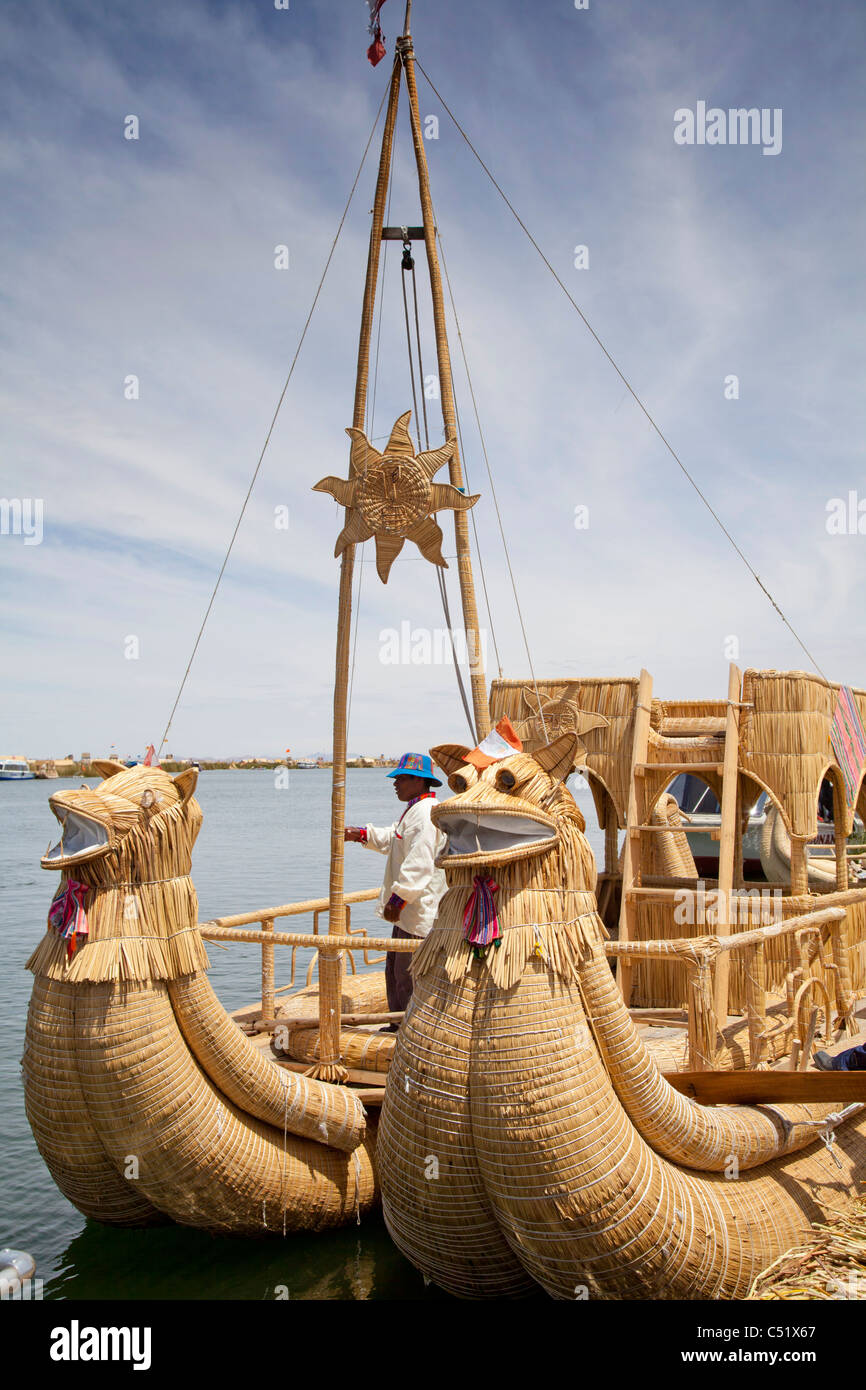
<point x="156" y="258"/>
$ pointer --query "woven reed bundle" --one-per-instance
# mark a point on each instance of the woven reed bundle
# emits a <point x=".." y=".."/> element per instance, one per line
<point x="201" y="1159"/>
<point x="523" y="1075"/>
<point x="330" y="1115"/>
<point x="359" y="1048"/>
<point x="830" y="1265"/>
<point x="670" y="855"/>
<point x="58" y="1115"/>
<point x="687" y="717"/>
<point x="360" y="994"/>
<point x="149" y="1066"/>
<point x="776" y="856"/>
<point x="608" y="748"/>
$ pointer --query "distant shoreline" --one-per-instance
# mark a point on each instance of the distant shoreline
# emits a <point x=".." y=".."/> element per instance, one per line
<point x="66" y="769"/>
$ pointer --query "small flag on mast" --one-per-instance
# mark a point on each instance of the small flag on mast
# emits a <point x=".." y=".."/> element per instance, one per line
<point x="500" y="743"/>
<point x="376" y="51"/>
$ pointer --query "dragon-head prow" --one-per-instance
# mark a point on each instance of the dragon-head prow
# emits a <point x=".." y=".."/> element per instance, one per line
<point x="97" y="821"/>
<point x="516" y="809"/>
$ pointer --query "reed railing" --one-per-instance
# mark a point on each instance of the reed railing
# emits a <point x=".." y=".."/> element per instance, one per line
<point x="807" y="932"/>
<point x="698" y="954"/>
<point x="232" y="928"/>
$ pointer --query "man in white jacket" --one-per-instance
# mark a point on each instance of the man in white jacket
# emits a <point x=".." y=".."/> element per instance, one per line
<point x="412" y="884"/>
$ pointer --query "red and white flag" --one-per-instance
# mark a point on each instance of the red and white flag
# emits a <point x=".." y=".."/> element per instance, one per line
<point x="500" y="743"/>
<point x="376" y="51"/>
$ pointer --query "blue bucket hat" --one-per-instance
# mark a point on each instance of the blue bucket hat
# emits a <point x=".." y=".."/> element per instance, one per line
<point x="415" y="765"/>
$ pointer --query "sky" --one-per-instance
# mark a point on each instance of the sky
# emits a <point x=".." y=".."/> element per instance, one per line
<point x="154" y="258"/>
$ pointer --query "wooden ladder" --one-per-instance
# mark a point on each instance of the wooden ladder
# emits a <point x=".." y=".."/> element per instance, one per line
<point x="730" y="843"/>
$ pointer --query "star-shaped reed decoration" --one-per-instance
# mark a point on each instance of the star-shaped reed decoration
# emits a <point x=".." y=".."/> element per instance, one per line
<point x="392" y="496"/>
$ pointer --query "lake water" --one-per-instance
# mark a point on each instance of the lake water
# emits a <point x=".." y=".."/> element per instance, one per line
<point x="260" y="845"/>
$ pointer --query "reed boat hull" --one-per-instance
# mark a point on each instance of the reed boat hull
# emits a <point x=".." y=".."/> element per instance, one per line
<point x="527" y="1136"/>
<point x="147" y="1132"/>
<point x="146" y="1100"/>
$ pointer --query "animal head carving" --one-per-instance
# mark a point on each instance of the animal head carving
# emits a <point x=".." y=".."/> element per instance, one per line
<point x="552" y="715"/>
<point x="127" y="809"/>
<point x="513" y="810"/>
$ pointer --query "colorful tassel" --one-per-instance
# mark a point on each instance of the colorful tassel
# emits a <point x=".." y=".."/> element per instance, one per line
<point x="480" y="922"/>
<point x="67" y="915"/>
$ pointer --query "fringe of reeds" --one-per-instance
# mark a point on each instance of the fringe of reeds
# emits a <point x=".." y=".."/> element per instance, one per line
<point x="327" y="1071"/>
<point x="552" y="926"/>
<point x="829" y="1266"/>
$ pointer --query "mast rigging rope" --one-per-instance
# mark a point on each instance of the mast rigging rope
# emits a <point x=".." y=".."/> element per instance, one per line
<point x="674" y="455"/>
<point x="272" y="425"/>
<point x="408" y="264"/>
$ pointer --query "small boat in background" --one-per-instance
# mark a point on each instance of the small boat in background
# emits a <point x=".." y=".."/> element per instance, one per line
<point x="15" y="770"/>
<point x="766" y="845"/>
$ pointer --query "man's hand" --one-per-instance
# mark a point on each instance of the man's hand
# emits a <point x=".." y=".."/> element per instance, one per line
<point x="392" y="909"/>
<point x="354" y="833"/>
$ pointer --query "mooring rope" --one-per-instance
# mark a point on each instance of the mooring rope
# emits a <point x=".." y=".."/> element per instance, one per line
<point x="272" y="425"/>
<point x="673" y="453"/>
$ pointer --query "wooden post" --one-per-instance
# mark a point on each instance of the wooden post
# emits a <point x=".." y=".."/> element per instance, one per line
<point x="480" y="706"/>
<point x="634" y="817"/>
<point x="328" y="1067"/>
<point x="267" y="968"/>
<point x="727" y="842"/>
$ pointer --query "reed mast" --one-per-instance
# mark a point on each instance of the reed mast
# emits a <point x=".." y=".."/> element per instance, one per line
<point x="329" y="1067"/>
<point x="331" y="962"/>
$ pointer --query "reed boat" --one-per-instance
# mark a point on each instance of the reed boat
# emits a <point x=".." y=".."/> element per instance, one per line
<point x="616" y="1097"/>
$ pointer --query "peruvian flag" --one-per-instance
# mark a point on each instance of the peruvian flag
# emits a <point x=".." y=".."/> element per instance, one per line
<point x="376" y="51"/>
<point x="500" y="743"/>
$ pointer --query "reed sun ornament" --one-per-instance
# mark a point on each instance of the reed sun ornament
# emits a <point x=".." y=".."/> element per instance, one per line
<point x="392" y="496"/>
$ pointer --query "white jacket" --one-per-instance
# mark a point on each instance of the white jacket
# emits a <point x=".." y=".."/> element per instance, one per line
<point x="411" y="844"/>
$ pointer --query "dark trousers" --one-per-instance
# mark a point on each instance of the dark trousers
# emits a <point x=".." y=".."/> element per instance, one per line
<point x="852" y="1060"/>
<point x="398" y="981"/>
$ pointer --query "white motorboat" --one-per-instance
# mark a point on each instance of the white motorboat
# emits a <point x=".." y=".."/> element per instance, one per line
<point x="15" y="770"/>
